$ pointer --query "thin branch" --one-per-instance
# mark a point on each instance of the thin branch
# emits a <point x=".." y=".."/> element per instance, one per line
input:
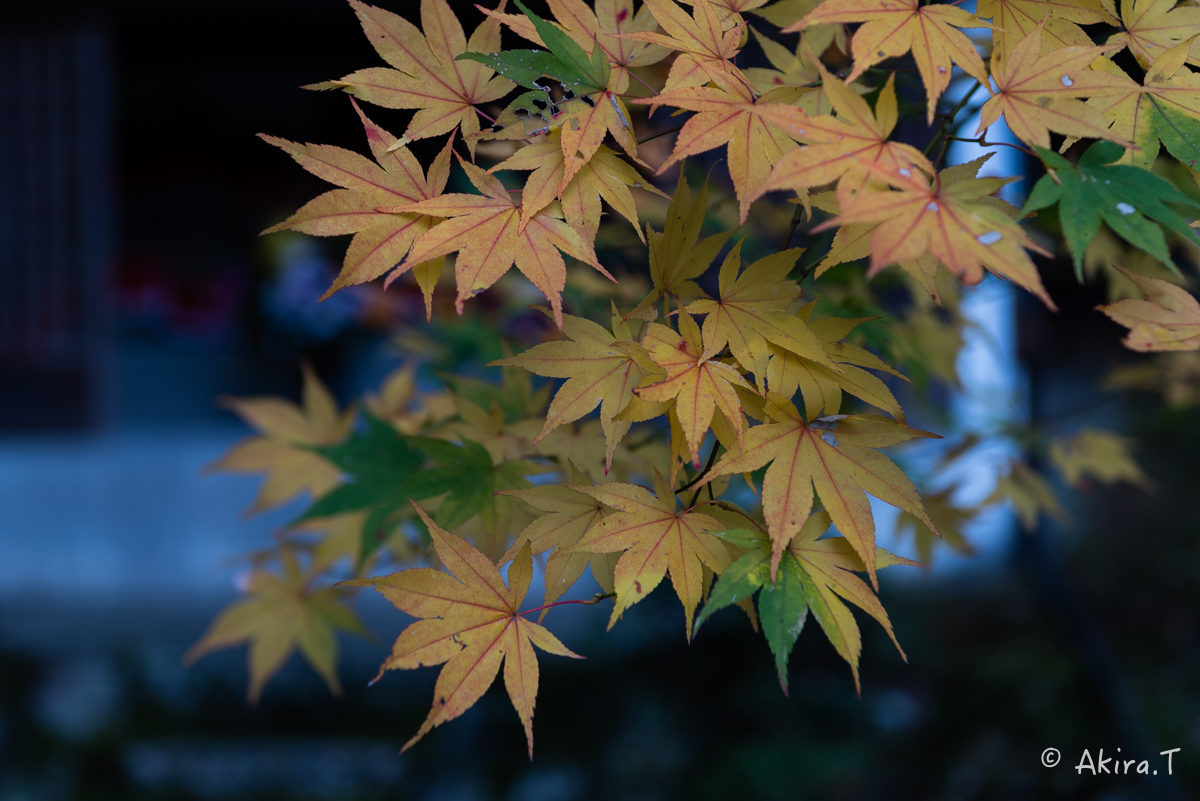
<point x="949" y="118"/>
<point x="787" y="240"/>
<point x="982" y="142"/>
<point x="597" y="598"/>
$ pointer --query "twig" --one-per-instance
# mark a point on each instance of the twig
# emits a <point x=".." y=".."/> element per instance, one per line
<point x="597" y="598"/>
<point x="712" y="458"/>
<point x="982" y="142"/>
<point x="962" y="103"/>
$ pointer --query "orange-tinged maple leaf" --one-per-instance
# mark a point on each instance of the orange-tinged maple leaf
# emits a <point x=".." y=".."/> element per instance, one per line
<point x="602" y="369"/>
<point x="471" y="622"/>
<point x="486" y="232"/>
<point x="838" y="149"/>
<point x="1016" y="19"/>
<point x="282" y="614"/>
<point x="1038" y="93"/>
<point x="730" y="116"/>
<point x="1168" y="319"/>
<point x="835" y="455"/>
<point x="567" y="514"/>
<point x="955" y="219"/>
<point x="426" y="75"/>
<point x="750" y="313"/>
<point x="705" y="48"/>
<point x="603" y="28"/>
<point x="657" y="537"/>
<point x="1152" y="27"/>
<point x="280" y="451"/>
<point x="604" y="175"/>
<point x="696" y="380"/>
<point x="827" y="568"/>
<point x="893" y="27"/>
<point x="380" y="239"/>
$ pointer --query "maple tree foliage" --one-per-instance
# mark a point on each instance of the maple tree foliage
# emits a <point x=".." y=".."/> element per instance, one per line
<point x="766" y="392"/>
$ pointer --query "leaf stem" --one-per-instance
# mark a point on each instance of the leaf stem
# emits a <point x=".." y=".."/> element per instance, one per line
<point x="729" y="507"/>
<point x="485" y="115"/>
<point x="639" y="79"/>
<point x="712" y="459"/>
<point x="595" y="599"/>
<point x="645" y="139"/>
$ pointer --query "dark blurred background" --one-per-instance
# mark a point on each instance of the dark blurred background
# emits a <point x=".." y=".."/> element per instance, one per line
<point x="134" y="290"/>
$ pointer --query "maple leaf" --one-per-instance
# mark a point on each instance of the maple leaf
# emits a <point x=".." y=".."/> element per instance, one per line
<point x="567" y="514"/>
<point x="750" y="313"/>
<point x="893" y="27"/>
<point x="705" y="48"/>
<point x="1168" y="319"/>
<point x="677" y="254"/>
<point x="1029" y="494"/>
<point x="838" y="149"/>
<point x="797" y="70"/>
<point x="955" y="219"/>
<point x="1016" y="19"/>
<point x="380" y="239"/>
<point x="657" y="537"/>
<point x="604" y="175"/>
<point x="1153" y="27"/>
<point x="601" y="28"/>
<point x="582" y="123"/>
<point x="696" y="380"/>
<point x="814" y="574"/>
<point x="281" y="451"/>
<point x="401" y="404"/>
<point x="950" y="521"/>
<point x="426" y="75"/>
<point x="1097" y="454"/>
<point x="471" y="622"/>
<point x="601" y="368"/>
<point x="1126" y="198"/>
<point x="729" y="115"/>
<point x="282" y="614"/>
<point x="1038" y="93"/>
<point x="835" y="454"/>
<point x="1166" y="109"/>
<point x="376" y="465"/>
<point x="822" y="387"/>
<point x="487" y="234"/>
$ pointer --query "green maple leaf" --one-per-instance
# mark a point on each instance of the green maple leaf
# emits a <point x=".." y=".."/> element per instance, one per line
<point x="814" y="575"/>
<point x="566" y="62"/>
<point x="1130" y="200"/>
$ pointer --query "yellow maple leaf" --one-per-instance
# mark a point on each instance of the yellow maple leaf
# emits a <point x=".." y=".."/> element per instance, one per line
<point x="1039" y="93"/>
<point x="602" y="369"/>
<point x="1152" y="27"/>
<point x="471" y="622"/>
<point x="1168" y="319"/>
<point x="380" y="239"/>
<point x="836" y="455"/>
<point x="1016" y="19"/>
<point x="283" y="614"/>
<point x="1096" y="454"/>
<point x="894" y="27"/>
<point x="279" y="451"/>
<point x="424" y="74"/>
<point x="657" y="537"/>
<point x="486" y="232"/>
<point x="705" y="47"/>
<point x="696" y="380"/>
